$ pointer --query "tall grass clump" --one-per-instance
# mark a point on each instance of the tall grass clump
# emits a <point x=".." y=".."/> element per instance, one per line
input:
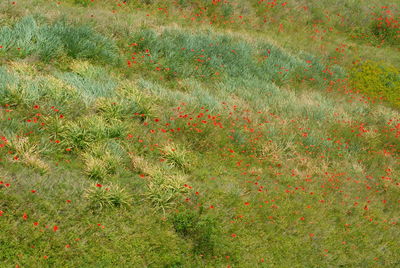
<point x="110" y="195"/>
<point x="84" y="132"/>
<point x="8" y="82"/>
<point x="52" y="41"/>
<point x="177" y="157"/>
<point x="163" y="191"/>
<point x="202" y="55"/>
<point x="92" y="83"/>
<point x="100" y="162"/>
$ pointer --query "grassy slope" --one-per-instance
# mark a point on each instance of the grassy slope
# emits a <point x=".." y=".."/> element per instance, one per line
<point x="239" y="142"/>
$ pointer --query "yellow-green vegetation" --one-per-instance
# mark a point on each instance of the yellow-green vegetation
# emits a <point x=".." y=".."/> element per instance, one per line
<point x="377" y="80"/>
<point x="199" y="133"/>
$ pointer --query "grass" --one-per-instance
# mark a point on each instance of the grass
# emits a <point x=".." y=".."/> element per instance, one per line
<point x="199" y="134"/>
<point x="50" y="42"/>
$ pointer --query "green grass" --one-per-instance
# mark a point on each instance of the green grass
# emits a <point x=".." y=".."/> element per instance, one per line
<point x="199" y="134"/>
<point x="50" y="42"/>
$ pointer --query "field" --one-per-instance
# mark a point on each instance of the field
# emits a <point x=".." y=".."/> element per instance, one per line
<point x="203" y="133"/>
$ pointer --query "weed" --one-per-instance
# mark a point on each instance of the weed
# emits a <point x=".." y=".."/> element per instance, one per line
<point x="377" y="80"/>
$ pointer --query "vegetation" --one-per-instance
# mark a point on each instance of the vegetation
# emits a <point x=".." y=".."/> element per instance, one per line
<point x="199" y="133"/>
<point x="377" y="80"/>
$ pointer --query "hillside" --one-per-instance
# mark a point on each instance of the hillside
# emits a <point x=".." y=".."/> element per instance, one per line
<point x="201" y="133"/>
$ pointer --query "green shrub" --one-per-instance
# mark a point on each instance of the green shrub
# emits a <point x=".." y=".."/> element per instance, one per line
<point x="377" y="80"/>
<point x="386" y="29"/>
<point x="201" y="229"/>
<point x="184" y="222"/>
<point x="84" y="3"/>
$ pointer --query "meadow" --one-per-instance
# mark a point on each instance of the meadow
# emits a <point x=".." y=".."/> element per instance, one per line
<point x="203" y="133"/>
